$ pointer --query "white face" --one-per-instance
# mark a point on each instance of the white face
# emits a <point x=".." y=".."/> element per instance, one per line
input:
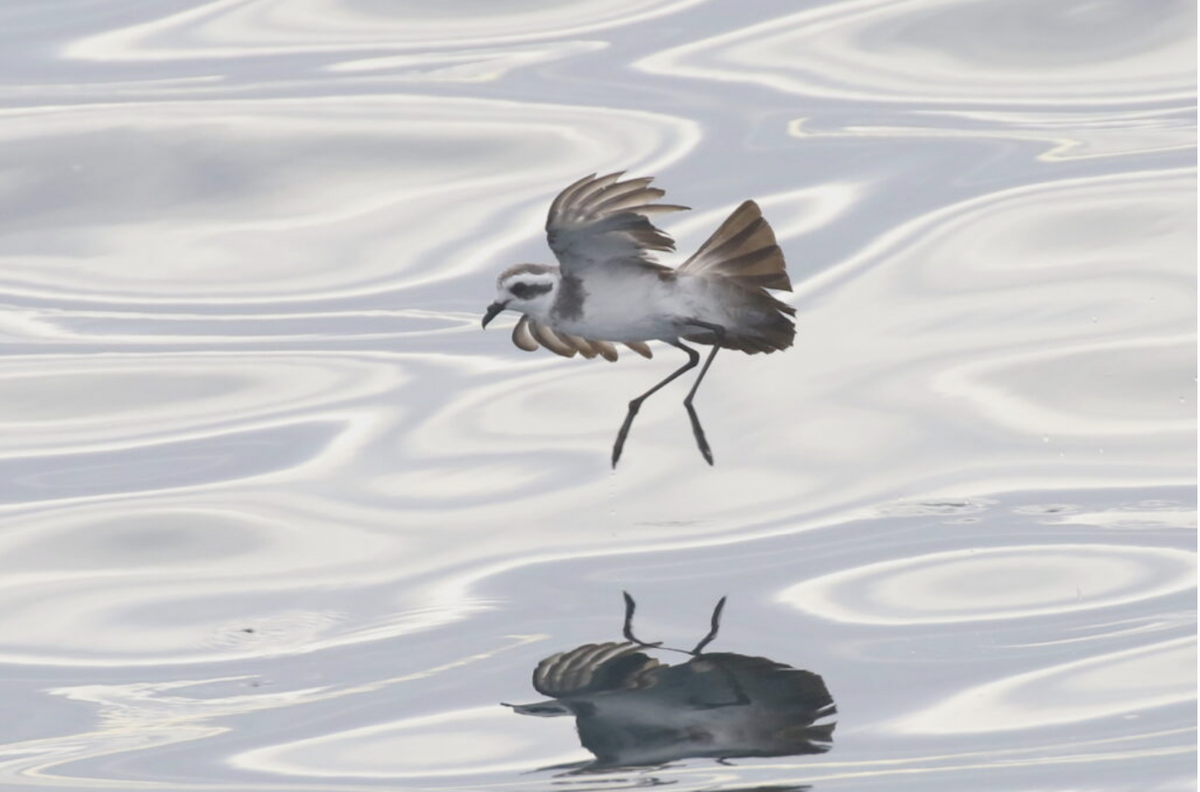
<point x="526" y="291"/>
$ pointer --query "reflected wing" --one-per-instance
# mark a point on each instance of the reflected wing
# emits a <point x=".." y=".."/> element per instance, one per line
<point x="598" y="221"/>
<point x="738" y="679"/>
<point x="594" y="668"/>
<point x="529" y="334"/>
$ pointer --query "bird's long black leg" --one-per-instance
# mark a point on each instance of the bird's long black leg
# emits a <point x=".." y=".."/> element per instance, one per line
<point x="636" y="404"/>
<point x="627" y="630"/>
<point x="697" y="429"/>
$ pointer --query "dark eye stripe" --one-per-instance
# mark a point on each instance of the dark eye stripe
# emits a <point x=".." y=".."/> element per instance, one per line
<point x="528" y="291"/>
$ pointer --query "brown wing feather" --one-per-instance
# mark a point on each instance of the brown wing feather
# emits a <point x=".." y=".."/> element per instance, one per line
<point x="641" y="348"/>
<point x="549" y="339"/>
<point x="600" y="221"/>
<point x="529" y="334"/>
<point x="593" y="668"/>
<point x="607" y="351"/>
<point x="584" y="346"/>
<point x="589" y="348"/>
<point x="522" y="337"/>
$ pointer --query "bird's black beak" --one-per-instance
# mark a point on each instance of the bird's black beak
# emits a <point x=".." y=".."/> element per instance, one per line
<point x="492" y="310"/>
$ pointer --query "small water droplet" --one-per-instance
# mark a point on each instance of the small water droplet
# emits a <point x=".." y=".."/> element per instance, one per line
<point x="1101" y="450"/>
<point x="1094" y="320"/>
<point x="1045" y="438"/>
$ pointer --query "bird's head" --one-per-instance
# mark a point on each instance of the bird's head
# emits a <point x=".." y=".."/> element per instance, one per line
<point x="525" y="288"/>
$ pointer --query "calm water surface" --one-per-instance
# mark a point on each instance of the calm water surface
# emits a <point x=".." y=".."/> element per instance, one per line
<point x="277" y="515"/>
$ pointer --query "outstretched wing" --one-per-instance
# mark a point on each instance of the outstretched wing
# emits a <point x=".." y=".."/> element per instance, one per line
<point x="529" y="334"/>
<point x="602" y="220"/>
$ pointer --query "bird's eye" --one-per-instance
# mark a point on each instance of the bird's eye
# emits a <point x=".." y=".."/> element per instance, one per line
<point x="527" y="291"/>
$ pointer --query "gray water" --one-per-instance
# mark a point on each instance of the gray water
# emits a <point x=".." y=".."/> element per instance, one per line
<point x="277" y="515"/>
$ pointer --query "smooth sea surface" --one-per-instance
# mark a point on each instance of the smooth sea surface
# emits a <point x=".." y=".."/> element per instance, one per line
<point x="276" y="514"/>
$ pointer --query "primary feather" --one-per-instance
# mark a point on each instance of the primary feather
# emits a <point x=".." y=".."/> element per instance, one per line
<point x="602" y="220"/>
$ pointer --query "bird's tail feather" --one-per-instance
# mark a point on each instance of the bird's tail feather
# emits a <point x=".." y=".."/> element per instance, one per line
<point x="744" y="254"/>
<point x="742" y="249"/>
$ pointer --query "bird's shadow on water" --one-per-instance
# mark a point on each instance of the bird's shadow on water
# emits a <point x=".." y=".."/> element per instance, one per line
<point x="633" y="711"/>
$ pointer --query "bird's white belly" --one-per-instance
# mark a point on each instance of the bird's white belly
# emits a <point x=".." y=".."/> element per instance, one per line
<point x="618" y="329"/>
<point x="632" y="309"/>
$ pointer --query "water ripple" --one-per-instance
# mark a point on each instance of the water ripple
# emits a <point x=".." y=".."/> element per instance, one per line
<point x="232" y="456"/>
<point x="467" y="742"/>
<point x="185" y="579"/>
<point x="473" y="66"/>
<point x="234" y="201"/>
<point x="1129" y="681"/>
<point x="1002" y="52"/>
<point x="1063" y="136"/>
<point x="68" y="404"/>
<point x="237" y="28"/>
<point x="986" y="583"/>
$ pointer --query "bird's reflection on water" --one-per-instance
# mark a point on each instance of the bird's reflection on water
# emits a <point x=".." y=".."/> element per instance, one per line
<point x="632" y="710"/>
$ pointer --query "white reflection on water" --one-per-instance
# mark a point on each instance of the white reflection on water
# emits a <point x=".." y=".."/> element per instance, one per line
<point x="475" y="65"/>
<point x="1096" y="687"/>
<point x="275" y="514"/>
<point x="70" y="404"/>
<point x="1065" y="135"/>
<point x="463" y="743"/>
<point x="271" y="27"/>
<point x="994" y="583"/>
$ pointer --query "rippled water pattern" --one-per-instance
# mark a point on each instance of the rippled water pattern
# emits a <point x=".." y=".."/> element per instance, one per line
<point x="277" y="515"/>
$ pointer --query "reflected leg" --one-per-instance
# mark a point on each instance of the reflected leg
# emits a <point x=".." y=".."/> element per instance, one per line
<point x="715" y="628"/>
<point x="627" y="629"/>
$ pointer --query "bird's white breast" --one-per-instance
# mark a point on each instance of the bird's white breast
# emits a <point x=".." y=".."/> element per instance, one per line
<point x="623" y="305"/>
